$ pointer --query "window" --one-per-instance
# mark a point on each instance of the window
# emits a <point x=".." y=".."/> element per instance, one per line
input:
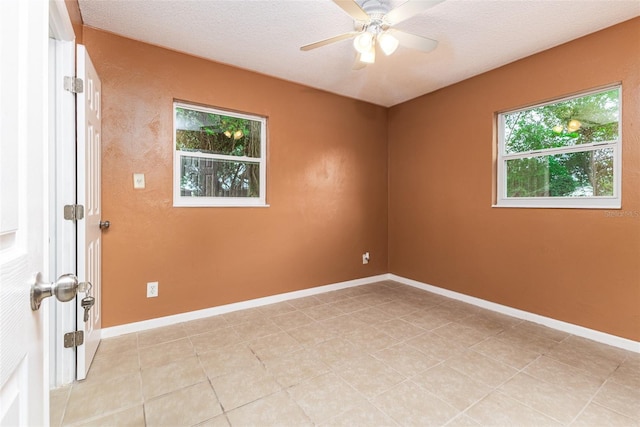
<point x="562" y="154"/>
<point x="219" y="157"/>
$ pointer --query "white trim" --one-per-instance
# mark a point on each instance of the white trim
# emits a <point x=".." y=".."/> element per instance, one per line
<point x="63" y="180"/>
<point x="227" y="308"/>
<point x="59" y="21"/>
<point x="62" y="177"/>
<point x="580" y="331"/>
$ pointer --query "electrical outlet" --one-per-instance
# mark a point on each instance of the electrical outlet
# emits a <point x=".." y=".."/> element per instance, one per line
<point x="152" y="289"/>
<point x="365" y="258"/>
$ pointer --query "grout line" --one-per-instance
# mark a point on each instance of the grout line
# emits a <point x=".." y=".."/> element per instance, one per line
<point x="399" y="297"/>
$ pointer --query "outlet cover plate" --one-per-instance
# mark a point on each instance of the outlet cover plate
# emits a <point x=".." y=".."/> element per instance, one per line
<point x="138" y="180"/>
<point x="152" y="289"/>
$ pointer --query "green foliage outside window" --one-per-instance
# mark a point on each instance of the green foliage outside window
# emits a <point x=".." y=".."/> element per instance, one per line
<point x="218" y="134"/>
<point x="590" y="119"/>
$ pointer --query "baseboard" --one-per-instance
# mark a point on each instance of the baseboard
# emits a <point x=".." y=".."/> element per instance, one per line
<point x="570" y="328"/>
<point x="144" y="325"/>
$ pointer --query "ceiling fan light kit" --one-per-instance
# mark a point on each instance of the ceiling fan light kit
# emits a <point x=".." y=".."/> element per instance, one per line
<point x="363" y="42"/>
<point x="388" y="43"/>
<point x="368" y="57"/>
<point x="373" y="21"/>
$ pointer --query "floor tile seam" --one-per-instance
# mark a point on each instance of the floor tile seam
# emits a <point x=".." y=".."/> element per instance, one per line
<point x="176" y="328"/>
<point x="192" y="385"/>
<point x="304" y="380"/>
<point x="65" y="406"/>
<point x="618" y="381"/>
<point x="168" y="362"/>
<point x="406" y="342"/>
<point x="496" y="387"/>
<point x="329" y="421"/>
<point x="508" y="341"/>
<point x="408" y="380"/>
<point x="358" y="392"/>
<point x="104" y="414"/>
<point x="567" y="389"/>
<point x="248" y="340"/>
<point x="88" y="382"/>
<point x="226" y="411"/>
<point x="282" y="390"/>
<point x="146" y="347"/>
<point x="625" y="384"/>
<point x="109" y="354"/>
<point x="111" y="376"/>
<point x="501" y="392"/>
<point x="202" y="379"/>
<point x="414" y="346"/>
<point x="215" y="393"/>
<point x="591" y="402"/>
<point x="550" y="339"/>
<point x="444" y="365"/>
<point x="540" y="411"/>
<point x="489" y="356"/>
<point x="493" y="359"/>
<point x="403" y="376"/>
<point x="207" y="331"/>
<point x="603" y="385"/>
<point x="636" y="419"/>
<point x="460" y="411"/>
<point x="583" y="371"/>
<point x="593" y="348"/>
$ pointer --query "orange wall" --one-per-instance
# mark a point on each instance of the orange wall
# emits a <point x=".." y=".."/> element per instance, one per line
<point x="576" y="265"/>
<point x="326" y="184"/>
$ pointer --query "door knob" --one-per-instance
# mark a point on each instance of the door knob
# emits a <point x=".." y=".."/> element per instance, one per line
<point x="64" y="289"/>
<point x="104" y="225"/>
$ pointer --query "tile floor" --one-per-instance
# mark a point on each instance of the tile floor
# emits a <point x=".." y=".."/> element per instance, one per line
<point x="383" y="354"/>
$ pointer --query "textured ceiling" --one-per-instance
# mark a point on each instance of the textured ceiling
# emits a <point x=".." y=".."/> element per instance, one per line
<point x="265" y="36"/>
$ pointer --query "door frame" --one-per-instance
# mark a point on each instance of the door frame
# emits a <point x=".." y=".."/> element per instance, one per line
<point x="62" y="181"/>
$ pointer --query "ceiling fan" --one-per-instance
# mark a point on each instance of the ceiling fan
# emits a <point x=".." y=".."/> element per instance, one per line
<point x="373" y="26"/>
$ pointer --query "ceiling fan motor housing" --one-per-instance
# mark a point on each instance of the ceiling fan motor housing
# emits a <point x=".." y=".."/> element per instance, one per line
<point x="376" y="9"/>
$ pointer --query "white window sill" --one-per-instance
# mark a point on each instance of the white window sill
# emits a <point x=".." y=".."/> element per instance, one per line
<point x="560" y="203"/>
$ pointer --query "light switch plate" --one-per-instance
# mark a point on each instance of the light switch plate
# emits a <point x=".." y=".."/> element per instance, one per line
<point x="138" y="180"/>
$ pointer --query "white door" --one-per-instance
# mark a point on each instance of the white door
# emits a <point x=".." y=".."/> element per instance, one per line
<point x="24" y="392"/>
<point x="88" y="181"/>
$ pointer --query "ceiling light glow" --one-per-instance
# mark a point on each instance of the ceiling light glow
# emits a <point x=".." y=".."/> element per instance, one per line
<point x="387" y="43"/>
<point x="363" y="42"/>
<point x="369" y="56"/>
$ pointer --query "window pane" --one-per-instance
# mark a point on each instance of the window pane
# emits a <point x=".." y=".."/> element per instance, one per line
<point x="216" y="133"/>
<point x="588" y="119"/>
<point x="201" y="177"/>
<point x="583" y="174"/>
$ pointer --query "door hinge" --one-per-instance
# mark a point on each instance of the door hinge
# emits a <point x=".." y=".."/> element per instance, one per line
<point x="73" y="212"/>
<point x="73" y="339"/>
<point x="73" y="84"/>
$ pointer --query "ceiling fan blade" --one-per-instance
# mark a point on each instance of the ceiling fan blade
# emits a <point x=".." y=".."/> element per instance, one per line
<point x="329" y="41"/>
<point x="414" y="41"/>
<point x="409" y="9"/>
<point x="353" y="9"/>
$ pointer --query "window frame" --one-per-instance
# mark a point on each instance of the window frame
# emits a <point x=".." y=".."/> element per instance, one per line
<point x="587" y="202"/>
<point x="186" y="201"/>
